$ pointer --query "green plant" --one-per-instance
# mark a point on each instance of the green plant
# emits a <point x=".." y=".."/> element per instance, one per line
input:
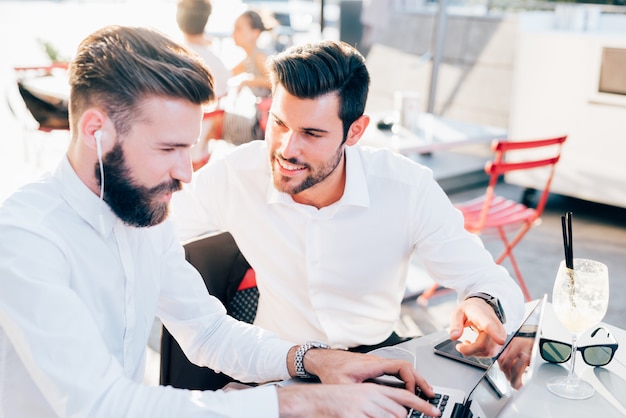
<point x="51" y="51"/>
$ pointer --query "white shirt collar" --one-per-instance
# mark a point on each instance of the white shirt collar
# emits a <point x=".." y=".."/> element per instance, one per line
<point x="82" y="200"/>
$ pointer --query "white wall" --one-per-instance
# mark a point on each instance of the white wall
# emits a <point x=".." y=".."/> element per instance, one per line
<point x="555" y="92"/>
<point x="475" y="74"/>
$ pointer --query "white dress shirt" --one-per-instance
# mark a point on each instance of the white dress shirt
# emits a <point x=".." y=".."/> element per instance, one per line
<point x="77" y="302"/>
<point x="338" y="274"/>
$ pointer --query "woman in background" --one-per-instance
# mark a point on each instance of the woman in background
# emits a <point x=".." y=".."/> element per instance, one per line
<point x="248" y="28"/>
<point x="242" y="115"/>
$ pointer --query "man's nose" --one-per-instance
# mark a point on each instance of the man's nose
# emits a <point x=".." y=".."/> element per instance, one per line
<point x="290" y="146"/>
<point x="183" y="169"/>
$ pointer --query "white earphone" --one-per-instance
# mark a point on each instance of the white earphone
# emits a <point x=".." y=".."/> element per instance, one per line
<point x="98" y="136"/>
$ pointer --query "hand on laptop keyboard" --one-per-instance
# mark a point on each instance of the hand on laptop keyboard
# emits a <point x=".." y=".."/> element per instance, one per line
<point x="440" y="401"/>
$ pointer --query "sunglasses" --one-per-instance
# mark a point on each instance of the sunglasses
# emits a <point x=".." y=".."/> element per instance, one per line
<point x="594" y="355"/>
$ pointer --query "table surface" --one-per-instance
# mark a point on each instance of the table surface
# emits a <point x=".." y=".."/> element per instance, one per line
<point x="533" y="399"/>
<point x="433" y="133"/>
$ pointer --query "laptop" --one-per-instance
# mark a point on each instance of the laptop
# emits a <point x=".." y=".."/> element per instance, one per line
<point x="455" y="403"/>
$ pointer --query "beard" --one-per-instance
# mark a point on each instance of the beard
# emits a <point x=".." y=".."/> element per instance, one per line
<point x="134" y="204"/>
<point x="318" y="174"/>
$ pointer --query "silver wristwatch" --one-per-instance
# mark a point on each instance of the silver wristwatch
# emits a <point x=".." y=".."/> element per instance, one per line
<point x="299" y="358"/>
<point x="493" y="302"/>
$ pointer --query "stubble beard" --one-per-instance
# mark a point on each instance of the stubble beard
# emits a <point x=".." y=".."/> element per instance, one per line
<point x="282" y="183"/>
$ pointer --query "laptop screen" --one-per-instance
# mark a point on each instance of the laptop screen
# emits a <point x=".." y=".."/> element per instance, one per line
<point x="512" y="367"/>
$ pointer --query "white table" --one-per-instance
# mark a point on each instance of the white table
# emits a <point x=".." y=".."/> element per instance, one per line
<point x="438" y="144"/>
<point x="433" y="133"/>
<point x="533" y="399"/>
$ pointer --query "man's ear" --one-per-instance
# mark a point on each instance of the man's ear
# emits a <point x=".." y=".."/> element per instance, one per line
<point x="91" y="121"/>
<point x="357" y="129"/>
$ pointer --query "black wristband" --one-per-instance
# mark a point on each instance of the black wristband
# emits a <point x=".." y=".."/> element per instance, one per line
<point x="491" y="301"/>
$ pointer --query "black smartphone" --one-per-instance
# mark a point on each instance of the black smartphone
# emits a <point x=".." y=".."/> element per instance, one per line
<point x="447" y="348"/>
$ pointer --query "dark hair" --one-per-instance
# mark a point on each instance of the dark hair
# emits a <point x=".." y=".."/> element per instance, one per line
<point x="255" y="19"/>
<point x="318" y="68"/>
<point x="192" y="15"/>
<point x="117" y="67"/>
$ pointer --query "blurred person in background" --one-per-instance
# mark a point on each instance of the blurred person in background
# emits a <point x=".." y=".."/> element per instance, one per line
<point x="218" y="123"/>
<point x="192" y="17"/>
<point x="248" y="28"/>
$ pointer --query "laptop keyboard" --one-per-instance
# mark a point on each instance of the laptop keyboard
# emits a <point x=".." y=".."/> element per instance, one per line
<point x="439" y="400"/>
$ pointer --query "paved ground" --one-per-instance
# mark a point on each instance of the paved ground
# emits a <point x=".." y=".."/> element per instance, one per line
<point x="599" y="231"/>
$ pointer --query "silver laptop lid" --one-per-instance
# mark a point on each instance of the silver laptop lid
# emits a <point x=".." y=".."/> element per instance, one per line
<point x="512" y="366"/>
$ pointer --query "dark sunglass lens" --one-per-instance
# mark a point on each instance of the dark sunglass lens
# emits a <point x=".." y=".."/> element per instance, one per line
<point x="597" y="356"/>
<point x="555" y="352"/>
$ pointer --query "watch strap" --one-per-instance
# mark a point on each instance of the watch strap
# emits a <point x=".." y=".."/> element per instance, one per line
<point x="491" y="301"/>
<point x="299" y="358"/>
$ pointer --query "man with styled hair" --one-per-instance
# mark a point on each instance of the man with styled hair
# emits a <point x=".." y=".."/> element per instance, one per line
<point x="330" y="226"/>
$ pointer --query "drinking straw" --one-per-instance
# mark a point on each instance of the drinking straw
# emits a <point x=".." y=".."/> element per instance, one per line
<point x="566" y="223"/>
<point x="565" y="246"/>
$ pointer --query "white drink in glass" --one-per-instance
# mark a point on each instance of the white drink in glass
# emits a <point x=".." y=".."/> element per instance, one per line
<point x="580" y="298"/>
<point x="580" y="303"/>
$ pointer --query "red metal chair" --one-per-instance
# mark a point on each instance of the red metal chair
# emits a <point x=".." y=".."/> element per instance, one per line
<point x="48" y="109"/>
<point x="36" y="110"/>
<point x="507" y="219"/>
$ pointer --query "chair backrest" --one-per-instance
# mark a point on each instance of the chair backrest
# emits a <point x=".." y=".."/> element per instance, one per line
<point x="224" y="270"/>
<point x="49" y="115"/>
<point x="532" y="155"/>
<point x="17" y="107"/>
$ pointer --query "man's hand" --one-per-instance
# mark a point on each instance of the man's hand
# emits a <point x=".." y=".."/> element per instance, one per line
<point x="351" y="400"/>
<point x="478" y="315"/>
<point x="347" y="368"/>
<point x="339" y="366"/>
<point x="515" y="359"/>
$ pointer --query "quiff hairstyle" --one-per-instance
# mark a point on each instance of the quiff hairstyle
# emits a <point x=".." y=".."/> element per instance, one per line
<point x="117" y="67"/>
<point x="316" y="69"/>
